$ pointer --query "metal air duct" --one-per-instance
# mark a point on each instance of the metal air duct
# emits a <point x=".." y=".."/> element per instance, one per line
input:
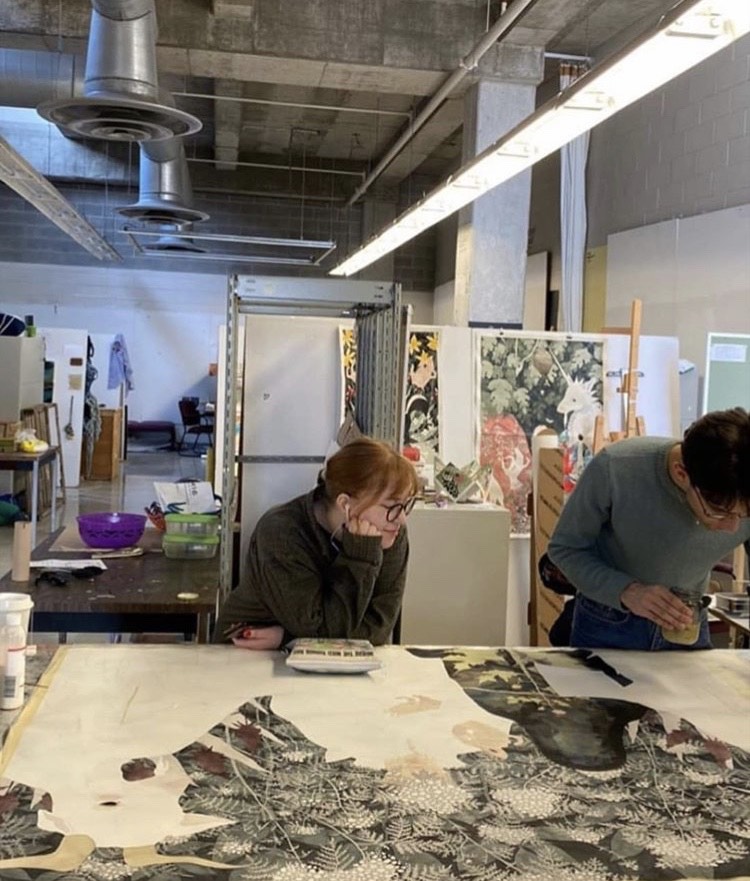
<point x="121" y="99"/>
<point x="175" y="244"/>
<point x="164" y="192"/>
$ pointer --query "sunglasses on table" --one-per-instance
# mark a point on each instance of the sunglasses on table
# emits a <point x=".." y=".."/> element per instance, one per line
<point x="712" y="512"/>
<point x="393" y="512"/>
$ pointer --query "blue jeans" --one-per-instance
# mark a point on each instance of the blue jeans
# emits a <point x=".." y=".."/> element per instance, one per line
<point x="599" y="626"/>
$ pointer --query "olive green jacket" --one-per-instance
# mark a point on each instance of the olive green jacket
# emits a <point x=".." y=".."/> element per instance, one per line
<point x="298" y="576"/>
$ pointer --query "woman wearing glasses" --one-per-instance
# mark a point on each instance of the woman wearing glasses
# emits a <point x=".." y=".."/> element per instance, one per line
<point x="330" y="563"/>
<point x="646" y="523"/>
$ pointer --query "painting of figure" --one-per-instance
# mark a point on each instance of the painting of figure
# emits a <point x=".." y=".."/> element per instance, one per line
<point x="421" y="408"/>
<point x="529" y="381"/>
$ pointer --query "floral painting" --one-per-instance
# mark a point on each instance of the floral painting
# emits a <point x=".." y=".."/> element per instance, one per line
<point x="527" y="382"/>
<point x="348" y="350"/>
<point x="579" y="789"/>
<point x="421" y="406"/>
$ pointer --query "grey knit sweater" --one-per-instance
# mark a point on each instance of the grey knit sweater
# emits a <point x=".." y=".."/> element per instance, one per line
<point x="627" y="521"/>
<point x="297" y="576"/>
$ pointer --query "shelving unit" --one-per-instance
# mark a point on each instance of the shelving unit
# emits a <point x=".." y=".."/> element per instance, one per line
<point x="381" y="325"/>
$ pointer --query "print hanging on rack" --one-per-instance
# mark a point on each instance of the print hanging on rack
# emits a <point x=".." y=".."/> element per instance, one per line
<point x="526" y="381"/>
<point x="348" y="356"/>
<point x="422" y="403"/>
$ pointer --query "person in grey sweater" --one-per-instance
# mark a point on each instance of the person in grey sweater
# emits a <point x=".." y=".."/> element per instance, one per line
<point x="331" y="563"/>
<point x="648" y="519"/>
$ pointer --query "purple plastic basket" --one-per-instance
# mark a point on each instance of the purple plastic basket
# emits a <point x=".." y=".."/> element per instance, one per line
<point x="111" y="530"/>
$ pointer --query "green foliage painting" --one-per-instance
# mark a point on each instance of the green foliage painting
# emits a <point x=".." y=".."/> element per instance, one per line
<point x="527" y="382"/>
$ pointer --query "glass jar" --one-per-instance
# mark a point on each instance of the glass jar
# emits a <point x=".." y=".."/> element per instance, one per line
<point x="689" y="634"/>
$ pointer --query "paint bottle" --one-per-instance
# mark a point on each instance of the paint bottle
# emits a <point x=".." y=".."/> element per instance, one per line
<point x="13" y="660"/>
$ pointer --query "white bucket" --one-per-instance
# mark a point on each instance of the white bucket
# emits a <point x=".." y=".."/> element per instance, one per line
<point x="16" y="602"/>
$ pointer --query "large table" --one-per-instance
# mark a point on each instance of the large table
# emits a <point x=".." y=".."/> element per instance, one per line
<point x="32" y="462"/>
<point x="134" y="595"/>
<point x="459" y="764"/>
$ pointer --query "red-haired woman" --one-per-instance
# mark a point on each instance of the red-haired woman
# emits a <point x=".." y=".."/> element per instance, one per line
<point x="330" y="563"/>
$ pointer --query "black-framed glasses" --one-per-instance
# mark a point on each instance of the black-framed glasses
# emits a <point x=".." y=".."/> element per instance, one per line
<point x="393" y="512"/>
<point x="714" y="513"/>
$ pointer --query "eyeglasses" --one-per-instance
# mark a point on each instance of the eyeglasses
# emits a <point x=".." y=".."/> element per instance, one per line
<point x="393" y="512"/>
<point x="712" y="513"/>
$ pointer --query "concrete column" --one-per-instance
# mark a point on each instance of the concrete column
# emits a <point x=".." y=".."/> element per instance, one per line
<point x="493" y="230"/>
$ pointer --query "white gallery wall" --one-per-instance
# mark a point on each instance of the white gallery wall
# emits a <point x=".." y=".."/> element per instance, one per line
<point x="169" y="321"/>
<point x="693" y="275"/>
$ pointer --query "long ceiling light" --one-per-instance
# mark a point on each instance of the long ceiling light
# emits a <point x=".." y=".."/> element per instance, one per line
<point x="691" y="31"/>
<point x="325" y="245"/>
<point x="22" y="177"/>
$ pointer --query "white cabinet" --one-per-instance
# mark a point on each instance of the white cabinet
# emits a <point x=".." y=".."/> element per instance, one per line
<point x="457" y="583"/>
<point x="22" y="373"/>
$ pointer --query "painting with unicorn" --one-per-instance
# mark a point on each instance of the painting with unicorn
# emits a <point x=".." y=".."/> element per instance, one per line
<point x="532" y="380"/>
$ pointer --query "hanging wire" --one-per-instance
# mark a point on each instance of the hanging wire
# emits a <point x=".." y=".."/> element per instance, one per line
<point x="302" y="199"/>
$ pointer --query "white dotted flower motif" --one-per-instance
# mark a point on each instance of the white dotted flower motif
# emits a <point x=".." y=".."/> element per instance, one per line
<point x="297" y="755"/>
<point x="430" y="794"/>
<point x="529" y="802"/>
<point x="371" y="869"/>
<point x="698" y="849"/>
<point x="505" y="834"/>
<point x="233" y="848"/>
<point x="102" y="870"/>
<point x="705" y="779"/>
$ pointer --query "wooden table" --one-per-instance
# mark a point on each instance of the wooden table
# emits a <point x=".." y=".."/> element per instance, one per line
<point x="32" y="462"/>
<point x="211" y="763"/>
<point x="133" y="595"/>
<point x="739" y="625"/>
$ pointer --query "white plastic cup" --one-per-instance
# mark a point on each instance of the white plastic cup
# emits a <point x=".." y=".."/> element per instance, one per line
<point x="16" y="602"/>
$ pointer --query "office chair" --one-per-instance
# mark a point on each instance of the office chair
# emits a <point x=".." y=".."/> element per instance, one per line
<point x="194" y="423"/>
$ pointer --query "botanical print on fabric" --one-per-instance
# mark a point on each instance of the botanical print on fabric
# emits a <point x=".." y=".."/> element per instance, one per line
<point x="421" y="407"/>
<point x="581" y="789"/>
<point x="529" y="382"/>
<point x="348" y="348"/>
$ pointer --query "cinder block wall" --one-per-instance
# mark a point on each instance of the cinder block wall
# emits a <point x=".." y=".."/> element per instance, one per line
<point x="26" y="236"/>
<point x="681" y="151"/>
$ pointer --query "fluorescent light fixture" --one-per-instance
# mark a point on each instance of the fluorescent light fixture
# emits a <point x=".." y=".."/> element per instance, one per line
<point x="22" y="177"/>
<point x="692" y="31"/>
<point x="325" y="245"/>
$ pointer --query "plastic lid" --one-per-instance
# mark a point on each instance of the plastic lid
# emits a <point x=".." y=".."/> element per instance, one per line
<point x="191" y="518"/>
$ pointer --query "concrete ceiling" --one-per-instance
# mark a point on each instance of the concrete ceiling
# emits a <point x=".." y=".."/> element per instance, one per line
<point x="306" y="97"/>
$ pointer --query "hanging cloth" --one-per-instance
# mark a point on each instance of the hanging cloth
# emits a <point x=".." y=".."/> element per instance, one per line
<point x="120" y="371"/>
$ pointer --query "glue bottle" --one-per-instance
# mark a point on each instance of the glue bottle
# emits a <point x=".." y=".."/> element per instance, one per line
<point x="13" y="661"/>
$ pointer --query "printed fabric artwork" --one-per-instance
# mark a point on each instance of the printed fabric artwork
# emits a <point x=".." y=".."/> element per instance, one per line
<point x="577" y="789"/>
<point x="422" y="408"/>
<point x="348" y="349"/>
<point x="527" y="382"/>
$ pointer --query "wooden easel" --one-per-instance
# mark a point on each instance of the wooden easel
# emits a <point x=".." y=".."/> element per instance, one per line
<point x="635" y="425"/>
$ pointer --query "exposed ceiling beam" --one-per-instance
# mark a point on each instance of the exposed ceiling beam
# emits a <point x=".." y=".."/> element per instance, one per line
<point x="22" y="177"/>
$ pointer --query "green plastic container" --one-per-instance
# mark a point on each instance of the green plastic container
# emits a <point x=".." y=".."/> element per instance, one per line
<point x="199" y="525"/>
<point x="190" y="547"/>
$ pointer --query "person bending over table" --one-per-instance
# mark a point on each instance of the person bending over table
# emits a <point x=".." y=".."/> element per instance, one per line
<point x="648" y="519"/>
<point x="331" y="563"/>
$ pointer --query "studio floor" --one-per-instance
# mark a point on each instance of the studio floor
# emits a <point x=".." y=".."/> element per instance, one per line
<point x="132" y="491"/>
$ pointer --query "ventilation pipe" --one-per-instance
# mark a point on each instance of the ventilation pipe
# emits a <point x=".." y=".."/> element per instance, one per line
<point x="164" y="192"/>
<point x="170" y="243"/>
<point x="121" y="99"/>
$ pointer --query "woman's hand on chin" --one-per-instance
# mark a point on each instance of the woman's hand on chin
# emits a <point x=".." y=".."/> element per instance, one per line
<point x="260" y="638"/>
<point x="359" y="526"/>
